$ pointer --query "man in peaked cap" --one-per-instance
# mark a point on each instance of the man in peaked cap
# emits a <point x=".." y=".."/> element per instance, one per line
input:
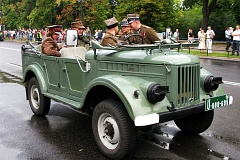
<point x="149" y="34"/>
<point x="112" y="29"/>
<point x="126" y="32"/>
<point x="55" y="28"/>
<point x="82" y="39"/>
<point x="49" y="44"/>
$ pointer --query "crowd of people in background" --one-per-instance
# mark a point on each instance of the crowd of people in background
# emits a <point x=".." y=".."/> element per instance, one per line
<point x="205" y="38"/>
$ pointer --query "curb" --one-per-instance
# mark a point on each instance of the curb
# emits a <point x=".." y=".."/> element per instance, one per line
<point x="220" y="58"/>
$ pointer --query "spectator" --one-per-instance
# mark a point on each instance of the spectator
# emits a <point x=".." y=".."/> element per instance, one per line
<point x="210" y="35"/>
<point x="190" y="35"/>
<point x="99" y="35"/>
<point x="39" y="36"/>
<point x="202" y="41"/>
<point x="96" y="35"/>
<point x="176" y="35"/>
<point x="236" y="40"/>
<point x="228" y="36"/>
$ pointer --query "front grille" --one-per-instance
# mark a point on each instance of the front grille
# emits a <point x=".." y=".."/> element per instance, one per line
<point x="188" y="85"/>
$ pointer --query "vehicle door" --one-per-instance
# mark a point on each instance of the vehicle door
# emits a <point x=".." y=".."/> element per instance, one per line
<point x="71" y="78"/>
<point x="51" y="67"/>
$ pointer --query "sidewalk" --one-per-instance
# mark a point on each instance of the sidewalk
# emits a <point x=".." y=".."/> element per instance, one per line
<point x="220" y="47"/>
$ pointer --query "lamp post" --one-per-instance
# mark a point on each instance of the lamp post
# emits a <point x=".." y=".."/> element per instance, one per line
<point x="81" y="10"/>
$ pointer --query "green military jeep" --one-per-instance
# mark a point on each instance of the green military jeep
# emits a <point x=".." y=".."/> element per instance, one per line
<point x="123" y="88"/>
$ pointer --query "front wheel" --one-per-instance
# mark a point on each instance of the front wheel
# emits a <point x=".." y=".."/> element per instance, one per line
<point x="196" y="123"/>
<point x="113" y="129"/>
<point x="39" y="103"/>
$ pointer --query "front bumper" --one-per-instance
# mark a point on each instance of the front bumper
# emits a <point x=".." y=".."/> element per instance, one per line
<point x="168" y="116"/>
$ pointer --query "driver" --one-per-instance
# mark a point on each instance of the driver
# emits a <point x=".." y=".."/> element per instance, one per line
<point x="112" y="29"/>
<point x="126" y="32"/>
<point x="148" y="34"/>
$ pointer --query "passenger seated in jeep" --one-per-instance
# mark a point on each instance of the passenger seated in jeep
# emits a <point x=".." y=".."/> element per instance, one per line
<point x="49" y="44"/>
<point x="112" y="29"/>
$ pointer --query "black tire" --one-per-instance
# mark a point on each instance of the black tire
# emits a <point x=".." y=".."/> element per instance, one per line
<point x="113" y="129"/>
<point x="39" y="103"/>
<point x="196" y="123"/>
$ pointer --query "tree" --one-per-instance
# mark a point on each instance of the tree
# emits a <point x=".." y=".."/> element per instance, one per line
<point x="207" y="8"/>
<point x="158" y="14"/>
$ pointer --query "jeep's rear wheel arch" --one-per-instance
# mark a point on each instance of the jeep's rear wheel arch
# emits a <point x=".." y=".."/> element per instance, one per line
<point x="34" y="71"/>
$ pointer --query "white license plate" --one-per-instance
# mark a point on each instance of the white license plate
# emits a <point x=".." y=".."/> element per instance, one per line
<point x="218" y="102"/>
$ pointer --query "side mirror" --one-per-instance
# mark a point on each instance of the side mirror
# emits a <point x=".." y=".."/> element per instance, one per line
<point x="71" y="38"/>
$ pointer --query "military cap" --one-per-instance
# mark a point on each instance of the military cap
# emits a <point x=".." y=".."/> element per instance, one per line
<point x="77" y="24"/>
<point x="57" y="29"/>
<point x="111" y="23"/>
<point x="132" y="17"/>
<point x="124" y="23"/>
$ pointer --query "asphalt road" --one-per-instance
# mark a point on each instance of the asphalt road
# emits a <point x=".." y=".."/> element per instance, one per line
<point x="67" y="135"/>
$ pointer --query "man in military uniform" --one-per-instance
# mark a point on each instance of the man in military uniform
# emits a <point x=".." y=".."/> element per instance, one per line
<point x="148" y="34"/>
<point x="126" y="32"/>
<point x="82" y="39"/>
<point x="112" y="29"/>
<point x="49" y="44"/>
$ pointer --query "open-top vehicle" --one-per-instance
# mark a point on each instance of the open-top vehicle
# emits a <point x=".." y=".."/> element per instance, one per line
<point x="124" y="87"/>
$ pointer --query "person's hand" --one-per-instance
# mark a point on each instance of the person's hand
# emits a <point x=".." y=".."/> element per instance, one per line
<point x="64" y="45"/>
<point x="58" y="53"/>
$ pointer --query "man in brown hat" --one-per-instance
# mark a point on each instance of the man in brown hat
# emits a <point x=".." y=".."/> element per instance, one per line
<point x="149" y="34"/>
<point x="82" y="39"/>
<point x="112" y="29"/>
<point x="49" y="44"/>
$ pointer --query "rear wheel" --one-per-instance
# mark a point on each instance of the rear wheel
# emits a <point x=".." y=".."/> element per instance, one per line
<point x="196" y="123"/>
<point x="113" y="129"/>
<point x="39" y="103"/>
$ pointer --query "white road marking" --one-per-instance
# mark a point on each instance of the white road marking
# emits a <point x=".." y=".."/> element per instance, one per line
<point x="16" y="65"/>
<point x="10" y="49"/>
<point x="231" y="83"/>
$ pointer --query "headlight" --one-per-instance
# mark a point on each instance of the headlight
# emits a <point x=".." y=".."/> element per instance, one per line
<point x="156" y="92"/>
<point x="211" y="83"/>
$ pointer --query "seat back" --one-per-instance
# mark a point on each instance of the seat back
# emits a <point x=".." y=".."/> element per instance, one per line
<point x="39" y="47"/>
<point x="70" y="52"/>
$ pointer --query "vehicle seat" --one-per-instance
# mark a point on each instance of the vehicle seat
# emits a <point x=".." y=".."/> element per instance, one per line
<point x="39" y="47"/>
<point x="71" y="51"/>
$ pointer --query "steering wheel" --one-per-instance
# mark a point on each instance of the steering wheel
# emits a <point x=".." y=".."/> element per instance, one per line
<point x="133" y="35"/>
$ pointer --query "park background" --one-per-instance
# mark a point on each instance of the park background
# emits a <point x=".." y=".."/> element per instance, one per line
<point x="159" y="14"/>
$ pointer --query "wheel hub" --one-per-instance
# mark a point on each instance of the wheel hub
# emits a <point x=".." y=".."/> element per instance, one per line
<point x="109" y="130"/>
<point x="35" y="95"/>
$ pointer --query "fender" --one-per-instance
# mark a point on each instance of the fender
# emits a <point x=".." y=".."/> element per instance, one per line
<point x="124" y="87"/>
<point x="40" y="75"/>
<point x="204" y="73"/>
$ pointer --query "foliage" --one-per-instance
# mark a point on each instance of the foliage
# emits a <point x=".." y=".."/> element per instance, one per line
<point x="190" y="19"/>
<point x="158" y="14"/>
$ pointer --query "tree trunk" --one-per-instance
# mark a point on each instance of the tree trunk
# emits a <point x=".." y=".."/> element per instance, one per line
<point x="206" y="11"/>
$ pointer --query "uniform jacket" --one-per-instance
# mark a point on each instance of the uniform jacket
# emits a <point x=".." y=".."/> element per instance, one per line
<point x="109" y="38"/>
<point x="50" y="47"/>
<point x="83" y="41"/>
<point x="149" y="35"/>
